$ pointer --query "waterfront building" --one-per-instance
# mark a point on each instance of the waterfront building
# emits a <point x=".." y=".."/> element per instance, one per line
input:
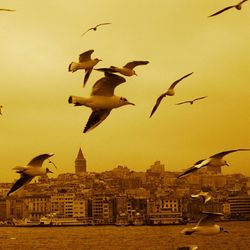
<point x="157" y="167"/>
<point x="239" y="207"/>
<point x="80" y="164"/>
<point x="79" y="208"/>
<point x="3" y="209"/>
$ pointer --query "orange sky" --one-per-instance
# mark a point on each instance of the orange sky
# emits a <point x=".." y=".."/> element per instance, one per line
<point x="38" y="41"/>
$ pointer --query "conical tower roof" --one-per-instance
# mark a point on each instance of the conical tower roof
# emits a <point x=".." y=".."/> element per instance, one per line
<point x="80" y="154"/>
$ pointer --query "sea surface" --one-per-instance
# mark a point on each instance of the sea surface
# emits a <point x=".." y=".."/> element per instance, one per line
<point x="131" y="237"/>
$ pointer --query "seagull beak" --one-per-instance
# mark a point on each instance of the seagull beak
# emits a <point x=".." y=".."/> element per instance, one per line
<point x="131" y="103"/>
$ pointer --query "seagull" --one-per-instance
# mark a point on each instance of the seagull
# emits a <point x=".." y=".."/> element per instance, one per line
<point x="204" y="195"/>
<point x="126" y="70"/>
<point x="102" y="100"/>
<point x="94" y="28"/>
<point x="1" y="110"/>
<point x="169" y="92"/>
<point x="33" y="168"/>
<point x="191" y="247"/>
<point x="214" y="160"/>
<point x="4" y="9"/>
<point x="206" y="225"/>
<point x="238" y="6"/>
<point x="85" y="62"/>
<point x="191" y="101"/>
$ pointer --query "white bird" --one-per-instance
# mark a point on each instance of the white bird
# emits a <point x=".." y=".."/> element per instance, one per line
<point x="190" y="247"/>
<point x="214" y="160"/>
<point x="238" y="6"/>
<point x="204" y="195"/>
<point x="191" y="101"/>
<point x="94" y="28"/>
<point x="86" y="63"/>
<point x="126" y="70"/>
<point x="1" y="109"/>
<point x="4" y="9"/>
<point x="28" y="172"/>
<point x="169" y="92"/>
<point x="102" y="100"/>
<point x="206" y="225"/>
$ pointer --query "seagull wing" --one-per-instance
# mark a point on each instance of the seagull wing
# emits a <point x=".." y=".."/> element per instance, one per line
<point x="106" y="70"/>
<point x="86" y="31"/>
<point x="188" y="171"/>
<point x="24" y="179"/>
<point x="86" y="77"/>
<point x="221" y="154"/>
<point x="158" y="101"/>
<point x="101" y="24"/>
<point x="133" y="64"/>
<point x="38" y="160"/>
<point x="208" y="218"/>
<point x="199" y="98"/>
<point x="177" y="81"/>
<point x="85" y="56"/>
<point x="183" y="102"/>
<point x="220" y="11"/>
<point x="96" y="117"/>
<point x="106" y="85"/>
<point x="3" y="9"/>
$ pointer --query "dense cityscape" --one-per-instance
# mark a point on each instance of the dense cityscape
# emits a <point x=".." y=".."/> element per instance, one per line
<point x="125" y="197"/>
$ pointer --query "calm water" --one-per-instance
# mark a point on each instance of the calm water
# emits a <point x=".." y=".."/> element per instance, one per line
<point x="111" y="237"/>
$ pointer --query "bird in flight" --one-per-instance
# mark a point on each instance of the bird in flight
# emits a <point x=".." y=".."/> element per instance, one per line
<point x="238" y="6"/>
<point x="204" y="195"/>
<point x="206" y="225"/>
<point x="86" y="63"/>
<point x="94" y="28"/>
<point x="169" y="92"/>
<point x="126" y="70"/>
<point x="28" y="172"/>
<point x="191" y="101"/>
<point x="4" y="9"/>
<point x="1" y="109"/>
<point x="214" y="160"/>
<point x="102" y="100"/>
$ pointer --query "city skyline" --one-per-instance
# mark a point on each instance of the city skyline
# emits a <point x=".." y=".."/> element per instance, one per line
<point x="38" y="42"/>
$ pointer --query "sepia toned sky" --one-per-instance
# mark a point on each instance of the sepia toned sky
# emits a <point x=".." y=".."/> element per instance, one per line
<point x="41" y="38"/>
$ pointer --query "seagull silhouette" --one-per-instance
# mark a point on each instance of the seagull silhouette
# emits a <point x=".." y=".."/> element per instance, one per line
<point x="86" y="63"/>
<point x="169" y="92"/>
<point x="4" y="9"/>
<point x="238" y="6"/>
<point x="214" y="160"/>
<point x="206" y="225"/>
<point x="126" y="70"/>
<point x="204" y="195"/>
<point x="33" y="168"/>
<point x="94" y="28"/>
<point x="191" y="101"/>
<point x="102" y="100"/>
<point x="190" y="247"/>
<point x="1" y="109"/>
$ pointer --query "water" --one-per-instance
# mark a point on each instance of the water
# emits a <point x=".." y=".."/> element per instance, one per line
<point x="112" y="237"/>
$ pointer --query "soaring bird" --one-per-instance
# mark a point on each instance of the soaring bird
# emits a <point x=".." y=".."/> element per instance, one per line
<point x="238" y="6"/>
<point x="204" y="195"/>
<point x="206" y="225"/>
<point x="190" y="247"/>
<point x="1" y="109"/>
<point x="191" y="101"/>
<point x="126" y="70"/>
<point x="169" y="92"/>
<point x="214" y="160"/>
<point x="28" y="172"/>
<point x="94" y="28"/>
<point x="86" y="63"/>
<point x="102" y="100"/>
<point x="4" y="9"/>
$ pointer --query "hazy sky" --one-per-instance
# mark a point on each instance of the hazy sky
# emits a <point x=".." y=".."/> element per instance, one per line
<point x="39" y="40"/>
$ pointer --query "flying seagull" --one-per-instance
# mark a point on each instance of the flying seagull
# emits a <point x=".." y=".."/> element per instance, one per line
<point x="126" y="70"/>
<point x="238" y="6"/>
<point x="4" y="9"/>
<point x="102" y="100"/>
<point x="206" y="225"/>
<point x="1" y="109"/>
<point x="190" y="247"/>
<point x="169" y="92"/>
<point x="94" y="28"/>
<point x="191" y="101"/>
<point x="33" y="168"/>
<point x="86" y="63"/>
<point x="204" y="195"/>
<point x="214" y="160"/>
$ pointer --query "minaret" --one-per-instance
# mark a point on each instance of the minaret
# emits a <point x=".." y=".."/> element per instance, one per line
<point x="80" y="163"/>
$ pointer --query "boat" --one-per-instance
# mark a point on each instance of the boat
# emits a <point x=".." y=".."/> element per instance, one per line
<point x="25" y="223"/>
<point x="122" y="220"/>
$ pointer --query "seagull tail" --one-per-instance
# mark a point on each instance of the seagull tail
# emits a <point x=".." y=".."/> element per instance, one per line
<point x="77" y="100"/>
<point x="73" y="67"/>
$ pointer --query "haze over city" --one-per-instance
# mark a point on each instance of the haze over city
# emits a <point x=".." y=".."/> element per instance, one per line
<point x="38" y="41"/>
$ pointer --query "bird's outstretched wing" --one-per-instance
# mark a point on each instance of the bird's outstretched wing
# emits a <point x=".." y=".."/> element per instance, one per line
<point x="86" y="56"/>
<point x="158" y="101"/>
<point x="100" y="24"/>
<point x="106" y="70"/>
<point x="177" y="81"/>
<point x="38" y="160"/>
<point x="24" y="179"/>
<point x="221" y="154"/>
<point x="188" y="171"/>
<point x="4" y="9"/>
<point x="179" y="103"/>
<point x="208" y="218"/>
<point x="96" y="117"/>
<point x="106" y="85"/>
<point x="86" y="77"/>
<point x="199" y="98"/>
<point x="133" y="64"/>
<point x="220" y="11"/>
